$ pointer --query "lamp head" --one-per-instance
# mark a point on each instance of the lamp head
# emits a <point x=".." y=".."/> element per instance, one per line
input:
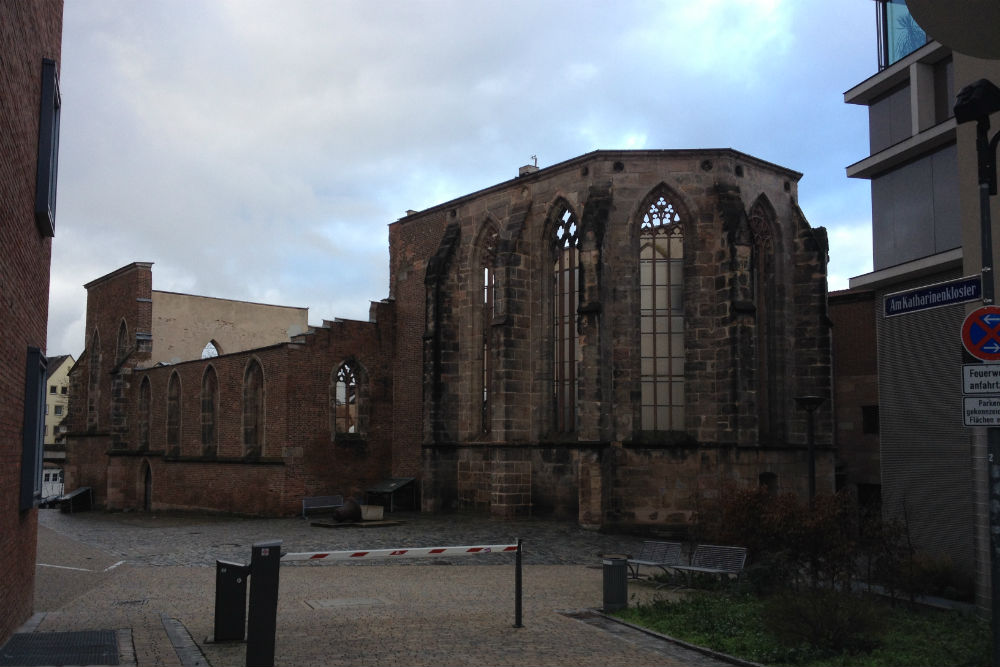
<point x="977" y="100"/>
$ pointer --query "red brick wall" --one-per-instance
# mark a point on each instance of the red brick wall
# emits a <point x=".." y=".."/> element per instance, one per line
<point x="855" y="380"/>
<point x="29" y="32"/>
<point x="299" y="456"/>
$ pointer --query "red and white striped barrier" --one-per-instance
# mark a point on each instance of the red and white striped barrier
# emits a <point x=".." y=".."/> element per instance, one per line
<point x="419" y="552"/>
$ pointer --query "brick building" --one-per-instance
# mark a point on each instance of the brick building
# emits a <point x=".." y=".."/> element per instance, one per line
<point x="30" y="48"/>
<point x="232" y="429"/>
<point x="608" y="339"/>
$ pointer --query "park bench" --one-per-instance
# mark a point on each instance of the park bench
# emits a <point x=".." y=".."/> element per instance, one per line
<point x="321" y="503"/>
<point x="712" y="559"/>
<point x="663" y="555"/>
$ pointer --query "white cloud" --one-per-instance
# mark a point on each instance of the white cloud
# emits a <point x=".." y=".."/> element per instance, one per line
<point x="256" y="149"/>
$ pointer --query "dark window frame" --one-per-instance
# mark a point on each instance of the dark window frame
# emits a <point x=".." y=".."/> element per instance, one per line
<point x="48" y="150"/>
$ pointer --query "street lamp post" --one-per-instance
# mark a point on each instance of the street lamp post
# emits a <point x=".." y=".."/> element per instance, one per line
<point x="976" y="102"/>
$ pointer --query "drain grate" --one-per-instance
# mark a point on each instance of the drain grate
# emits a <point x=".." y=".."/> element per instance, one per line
<point x="91" y="647"/>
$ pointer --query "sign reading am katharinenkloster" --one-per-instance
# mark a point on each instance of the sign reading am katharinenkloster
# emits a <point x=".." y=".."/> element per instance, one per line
<point x="947" y="293"/>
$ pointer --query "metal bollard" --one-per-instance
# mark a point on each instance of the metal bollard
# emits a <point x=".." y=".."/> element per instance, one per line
<point x="265" y="564"/>
<point x="230" y="601"/>
<point x="615" y="583"/>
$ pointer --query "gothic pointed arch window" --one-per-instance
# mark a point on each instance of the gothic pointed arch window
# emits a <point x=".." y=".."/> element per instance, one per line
<point x="661" y="321"/>
<point x="145" y="402"/>
<point x="565" y="242"/>
<point x="489" y="308"/>
<point x="253" y="409"/>
<point x="93" y="379"/>
<point x="762" y="284"/>
<point x="346" y="401"/>
<point x="121" y="348"/>
<point x="209" y="402"/>
<point x="174" y="411"/>
<point x="210" y="351"/>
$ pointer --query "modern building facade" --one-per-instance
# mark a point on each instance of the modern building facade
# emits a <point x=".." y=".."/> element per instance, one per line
<point x="610" y="339"/>
<point x="925" y="230"/>
<point x="30" y="50"/>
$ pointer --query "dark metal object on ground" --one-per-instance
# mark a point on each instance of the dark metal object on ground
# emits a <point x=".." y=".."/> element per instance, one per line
<point x="615" y="583"/>
<point x="349" y="511"/>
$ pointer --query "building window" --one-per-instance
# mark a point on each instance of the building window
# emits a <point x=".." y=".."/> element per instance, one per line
<point x="32" y="438"/>
<point x="565" y="301"/>
<point x="899" y="34"/>
<point x="209" y="399"/>
<point x="253" y="409"/>
<point x="121" y="349"/>
<point x="661" y="332"/>
<point x="93" y="380"/>
<point x="345" y="404"/>
<point x="64" y="390"/>
<point x="174" y="410"/>
<point x="52" y="389"/>
<point x="210" y="351"/>
<point x="48" y="150"/>
<point x="489" y="308"/>
<point x="58" y="410"/>
<point x="763" y="286"/>
<point x="869" y="419"/>
<point x="144" y="406"/>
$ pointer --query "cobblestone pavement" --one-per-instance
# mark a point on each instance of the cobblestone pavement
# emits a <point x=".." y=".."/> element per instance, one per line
<point x="154" y="574"/>
<point x="193" y="540"/>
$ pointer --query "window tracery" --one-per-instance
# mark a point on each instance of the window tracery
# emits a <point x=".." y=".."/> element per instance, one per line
<point x="346" y="400"/>
<point x="661" y="334"/>
<point x="565" y="302"/>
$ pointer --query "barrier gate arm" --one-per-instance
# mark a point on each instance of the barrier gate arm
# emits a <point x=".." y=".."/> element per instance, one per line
<point x="417" y="552"/>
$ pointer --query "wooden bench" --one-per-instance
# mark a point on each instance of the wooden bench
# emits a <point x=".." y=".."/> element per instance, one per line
<point x="663" y="555"/>
<point x="712" y="559"/>
<point x="321" y="503"/>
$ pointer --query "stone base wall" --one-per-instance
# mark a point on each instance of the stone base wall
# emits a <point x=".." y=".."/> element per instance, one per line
<point x="610" y="486"/>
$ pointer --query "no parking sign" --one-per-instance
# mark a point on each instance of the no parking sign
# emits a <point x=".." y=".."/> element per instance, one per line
<point x="981" y="333"/>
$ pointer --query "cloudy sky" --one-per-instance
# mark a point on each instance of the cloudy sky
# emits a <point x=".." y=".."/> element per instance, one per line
<point x="258" y="149"/>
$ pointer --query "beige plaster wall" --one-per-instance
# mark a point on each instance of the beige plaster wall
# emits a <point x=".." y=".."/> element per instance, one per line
<point x="183" y="324"/>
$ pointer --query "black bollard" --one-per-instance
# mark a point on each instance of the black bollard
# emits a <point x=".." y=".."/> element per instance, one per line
<point x="265" y="564"/>
<point x="230" y="601"/>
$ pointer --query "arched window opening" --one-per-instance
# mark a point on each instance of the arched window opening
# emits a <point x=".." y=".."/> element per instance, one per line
<point x="210" y="351"/>
<point x="144" y="406"/>
<point x="346" y="400"/>
<point x="94" y="379"/>
<point x="565" y="302"/>
<point x="762" y="284"/>
<point x="121" y="349"/>
<point x="209" y="400"/>
<point x="490" y="308"/>
<point x="174" y="410"/>
<point x="661" y="333"/>
<point x="253" y="409"/>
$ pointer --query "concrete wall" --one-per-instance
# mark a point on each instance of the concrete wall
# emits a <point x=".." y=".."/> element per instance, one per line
<point x="29" y="32"/>
<point x="184" y="323"/>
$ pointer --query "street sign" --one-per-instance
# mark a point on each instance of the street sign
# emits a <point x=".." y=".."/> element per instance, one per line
<point x="981" y="333"/>
<point x="947" y="293"/>
<point x="981" y="411"/>
<point x="981" y="379"/>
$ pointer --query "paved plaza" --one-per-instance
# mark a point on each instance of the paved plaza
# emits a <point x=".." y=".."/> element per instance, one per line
<point x="152" y="577"/>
